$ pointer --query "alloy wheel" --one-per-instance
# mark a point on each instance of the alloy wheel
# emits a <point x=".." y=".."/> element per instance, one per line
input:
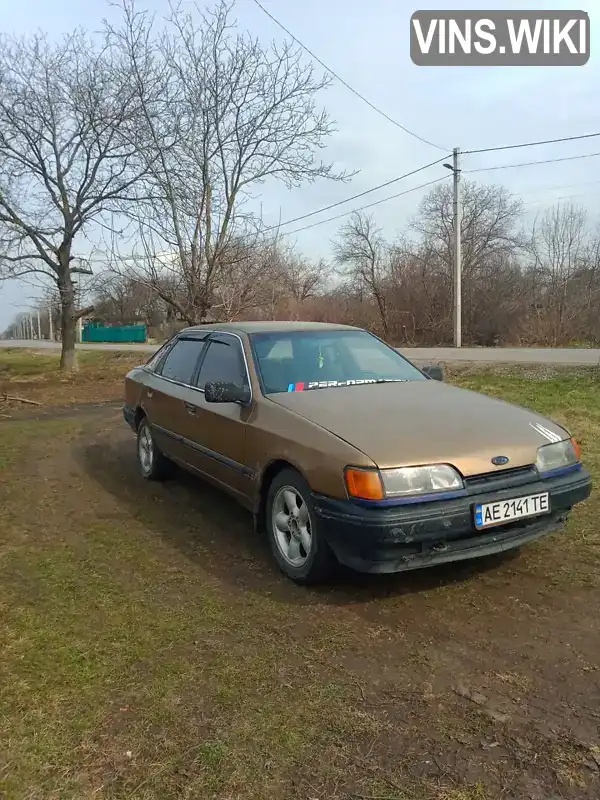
<point x="292" y="526"/>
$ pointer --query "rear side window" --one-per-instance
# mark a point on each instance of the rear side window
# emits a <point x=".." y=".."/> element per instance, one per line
<point x="223" y="362"/>
<point x="180" y="363"/>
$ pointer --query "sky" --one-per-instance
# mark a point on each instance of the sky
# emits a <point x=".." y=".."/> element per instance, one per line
<point x="367" y="43"/>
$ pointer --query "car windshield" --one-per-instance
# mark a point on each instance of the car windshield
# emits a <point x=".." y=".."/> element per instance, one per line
<point x="296" y="361"/>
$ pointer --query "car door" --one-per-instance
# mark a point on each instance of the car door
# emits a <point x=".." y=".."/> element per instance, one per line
<point x="217" y="431"/>
<point x="168" y="391"/>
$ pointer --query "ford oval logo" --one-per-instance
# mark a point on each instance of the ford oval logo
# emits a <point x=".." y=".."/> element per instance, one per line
<point x="498" y="461"/>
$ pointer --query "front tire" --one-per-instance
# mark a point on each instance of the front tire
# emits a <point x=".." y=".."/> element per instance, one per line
<point x="300" y="551"/>
<point x="153" y="465"/>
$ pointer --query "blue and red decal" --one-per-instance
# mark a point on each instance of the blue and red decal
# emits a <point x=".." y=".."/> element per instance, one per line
<point x="296" y="387"/>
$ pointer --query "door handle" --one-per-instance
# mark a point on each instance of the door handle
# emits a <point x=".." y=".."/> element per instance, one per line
<point x="191" y="409"/>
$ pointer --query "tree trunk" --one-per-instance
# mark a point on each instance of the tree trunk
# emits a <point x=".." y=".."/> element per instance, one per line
<point x="382" y="314"/>
<point x="68" y="323"/>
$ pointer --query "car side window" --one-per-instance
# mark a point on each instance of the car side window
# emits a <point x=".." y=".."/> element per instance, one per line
<point x="180" y="363"/>
<point x="223" y="362"/>
<point x="155" y="360"/>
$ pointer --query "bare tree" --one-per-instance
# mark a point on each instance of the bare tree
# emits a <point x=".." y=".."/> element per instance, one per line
<point x="587" y="286"/>
<point x="489" y="223"/>
<point x="232" y="115"/>
<point x="68" y="114"/>
<point x="122" y="301"/>
<point x="304" y="279"/>
<point x="363" y="254"/>
<point x="290" y="281"/>
<point x="491" y="245"/>
<point x="242" y="288"/>
<point x="559" y="250"/>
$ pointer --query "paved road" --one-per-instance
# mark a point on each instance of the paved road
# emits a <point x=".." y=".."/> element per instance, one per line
<point x="574" y="357"/>
<point x="45" y="345"/>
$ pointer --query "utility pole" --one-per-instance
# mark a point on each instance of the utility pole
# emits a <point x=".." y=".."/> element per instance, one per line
<point x="31" y="333"/>
<point x="457" y="249"/>
<point x="50" y="331"/>
<point x="39" y="323"/>
<point x="78" y="293"/>
<point x="457" y="252"/>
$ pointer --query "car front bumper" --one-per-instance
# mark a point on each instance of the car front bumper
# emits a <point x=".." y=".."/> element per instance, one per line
<point x="129" y="417"/>
<point x="406" y="537"/>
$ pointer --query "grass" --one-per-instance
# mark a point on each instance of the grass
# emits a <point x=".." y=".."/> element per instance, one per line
<point x="35" y="375"/>
<point x="149" y="651"/>
<point x="118" y="660"/>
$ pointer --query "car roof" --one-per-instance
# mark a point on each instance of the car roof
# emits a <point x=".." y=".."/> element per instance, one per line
<point x="270" y="326"/>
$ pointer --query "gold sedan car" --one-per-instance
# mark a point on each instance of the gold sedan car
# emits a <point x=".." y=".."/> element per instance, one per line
<point x="344" y="450"/>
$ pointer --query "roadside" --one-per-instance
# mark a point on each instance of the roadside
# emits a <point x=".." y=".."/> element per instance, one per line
<point x="34" y="379"/>
<point x="34" y="375"/>
<point x="151" y="650"/>
<point x="566" y="356"/>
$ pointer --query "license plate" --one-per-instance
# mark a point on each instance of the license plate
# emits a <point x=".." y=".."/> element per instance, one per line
<point x="488" y="514"/>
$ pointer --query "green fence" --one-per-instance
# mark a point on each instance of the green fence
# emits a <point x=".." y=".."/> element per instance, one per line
<point x="121" y="334"/>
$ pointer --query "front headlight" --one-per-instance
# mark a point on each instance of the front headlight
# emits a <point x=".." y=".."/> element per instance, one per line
<point x="557" y="456"/>
<point x="371" y="484"/>
<point x="420" y="480"/>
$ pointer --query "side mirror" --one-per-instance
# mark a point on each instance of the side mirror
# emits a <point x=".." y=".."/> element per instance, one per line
<point x="224" y="392"/>
<point x="436" y="373"/>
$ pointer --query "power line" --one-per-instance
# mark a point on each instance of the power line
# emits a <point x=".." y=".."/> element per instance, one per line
<point x="395" y="122"/>
<point x="401" y="177"/>
<point x="562" y="186"/>
<point x="345" y="83"/>
<point x="531" y="144"/>
<point x="339" y="216"/>
<point x="356" y="196"/>
<point x="370" y="205"/>
<point x="532" y="163"/>
<point x="556" y="200"/>
<point x="401" y="194"/>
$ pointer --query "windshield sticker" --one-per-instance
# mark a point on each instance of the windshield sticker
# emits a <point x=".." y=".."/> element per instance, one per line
<point x="300" y="387"/>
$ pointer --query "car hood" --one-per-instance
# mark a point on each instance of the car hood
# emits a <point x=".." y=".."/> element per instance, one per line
<point x="424" y="422"/>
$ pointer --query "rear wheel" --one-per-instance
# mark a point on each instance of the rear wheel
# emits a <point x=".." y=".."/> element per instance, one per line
<point x="302" y="554"/>
<point x="154" y="466"/>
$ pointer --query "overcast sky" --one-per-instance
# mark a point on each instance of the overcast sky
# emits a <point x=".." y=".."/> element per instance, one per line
<point x="367" y="43"/>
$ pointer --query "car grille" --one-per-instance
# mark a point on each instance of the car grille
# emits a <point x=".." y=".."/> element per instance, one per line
<point x="503" y="479"/>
